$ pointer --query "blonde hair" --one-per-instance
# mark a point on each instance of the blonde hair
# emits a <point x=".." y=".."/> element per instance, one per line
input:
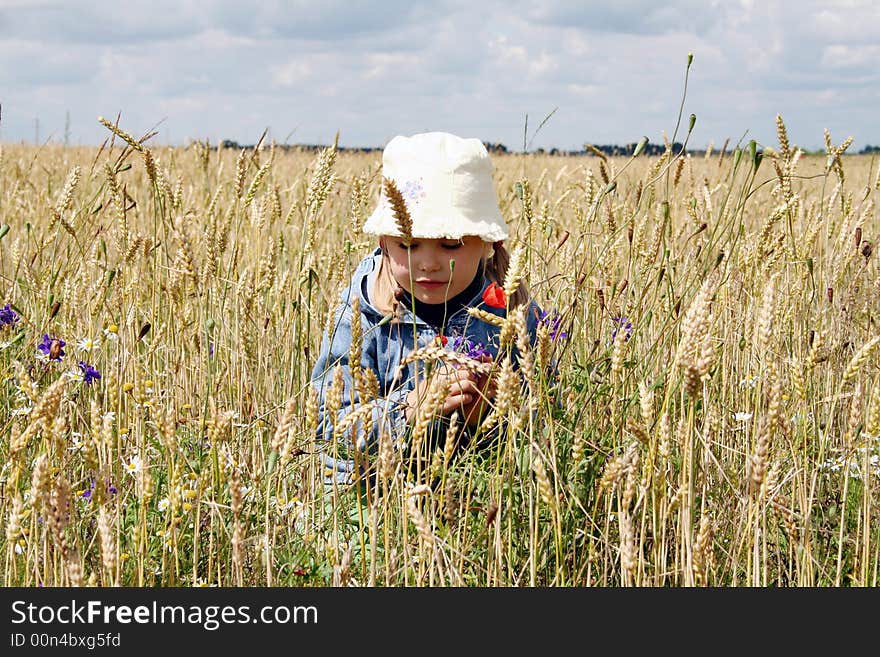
<point x="385" y="293"/>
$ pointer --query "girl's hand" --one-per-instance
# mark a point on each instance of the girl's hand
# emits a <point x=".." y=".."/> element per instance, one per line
<point x="468" y="393"/>
<point x="474" y="408"/>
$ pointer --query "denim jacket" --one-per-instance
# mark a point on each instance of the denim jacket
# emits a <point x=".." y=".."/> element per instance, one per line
<point x="385" y="344"/>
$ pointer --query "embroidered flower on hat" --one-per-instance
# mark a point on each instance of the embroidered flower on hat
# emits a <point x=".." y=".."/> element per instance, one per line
<point x="494" y="296"/>
<point x="413" y="191"/>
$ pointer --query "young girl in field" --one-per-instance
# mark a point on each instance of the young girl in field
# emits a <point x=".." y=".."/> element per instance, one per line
<point x="440" y="252"/>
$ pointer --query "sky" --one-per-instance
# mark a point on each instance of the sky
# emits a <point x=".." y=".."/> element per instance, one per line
<point x="604" y="72"/>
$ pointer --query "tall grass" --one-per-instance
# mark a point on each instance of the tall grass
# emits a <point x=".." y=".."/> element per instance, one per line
<point x="713" y="419"/>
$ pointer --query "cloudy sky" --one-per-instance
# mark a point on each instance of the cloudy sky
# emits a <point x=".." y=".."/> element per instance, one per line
<point x="612" y="70"/>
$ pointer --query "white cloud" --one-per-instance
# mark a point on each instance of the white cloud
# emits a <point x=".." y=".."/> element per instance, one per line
<point x="291" y="73"/>
<point x="584" y="90"/>
<point x="852" y="21"/>
<point x="389" y="66"/>
<point x="853" y="58"/>
<point x="629" y="16"/>
<point x="615" y="71"/>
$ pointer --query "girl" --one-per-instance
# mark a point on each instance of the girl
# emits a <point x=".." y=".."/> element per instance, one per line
<point x="440" y="237"/>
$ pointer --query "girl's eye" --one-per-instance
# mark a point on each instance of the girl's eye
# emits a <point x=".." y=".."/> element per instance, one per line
<point x="407" y="247"/>
<point x="452" y="247"/>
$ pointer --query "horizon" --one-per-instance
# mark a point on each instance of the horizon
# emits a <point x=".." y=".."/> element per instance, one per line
<point x="616" y="150"/>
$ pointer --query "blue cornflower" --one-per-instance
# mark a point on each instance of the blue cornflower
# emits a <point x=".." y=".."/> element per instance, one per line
<point x="624" y="324"/>
<point x="87" y="494"/>
<point x="89" y="372"/>
<point x="8" y="317"/>
<point x="471" y="350"/>
<point x="554" y="322"/>
<point x="52" y="347"/>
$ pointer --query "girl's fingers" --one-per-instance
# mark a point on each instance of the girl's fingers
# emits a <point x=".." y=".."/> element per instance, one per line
<point x="464" y="393"/>
<point x="467" y="387"/>
<point x="456" y="402"/>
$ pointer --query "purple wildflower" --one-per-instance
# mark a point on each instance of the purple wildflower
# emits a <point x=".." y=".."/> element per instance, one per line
<point x="624" y="324"/>
<point x="89" y="373"/>
<point x="554" y="322"/>
<point x="8" y="317"/>
<point x="87" y="494"/>
<point x="471" y="350"/>
<point x="52" y="347"/>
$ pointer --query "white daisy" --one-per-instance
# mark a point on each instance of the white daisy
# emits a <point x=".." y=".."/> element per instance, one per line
<point x="165" y="535"/>
<point x="741" y="416"/>
<point x="73" y="375"/>
<point x="76" y="442"/>
<point x="201" y="583"/>
<point x="835" y="465"/>
<point x="247" y="493"/>
<point x="87" y="344"/>
<point x="133" y="466"/>
<point x="164" y="503"/>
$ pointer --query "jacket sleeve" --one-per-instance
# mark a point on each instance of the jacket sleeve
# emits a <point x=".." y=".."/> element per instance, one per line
<point x="385" y="412"/>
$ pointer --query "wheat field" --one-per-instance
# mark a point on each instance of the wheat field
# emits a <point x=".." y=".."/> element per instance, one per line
<point x="712" y="419"/>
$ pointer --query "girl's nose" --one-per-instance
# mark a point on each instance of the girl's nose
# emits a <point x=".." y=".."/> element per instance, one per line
<point x="431" y="262"/>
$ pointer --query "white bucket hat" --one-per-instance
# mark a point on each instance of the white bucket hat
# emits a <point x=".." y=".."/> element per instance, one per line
<point x="447" y="184"/>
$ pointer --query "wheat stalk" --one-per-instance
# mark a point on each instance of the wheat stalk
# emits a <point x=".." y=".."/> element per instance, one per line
<point x="859" y="359"/>
<point x="399" y="210"/>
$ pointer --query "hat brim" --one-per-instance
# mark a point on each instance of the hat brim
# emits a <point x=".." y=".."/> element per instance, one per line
<point x="382" y="222"/>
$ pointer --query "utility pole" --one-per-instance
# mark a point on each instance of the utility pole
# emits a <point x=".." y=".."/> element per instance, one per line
<point x="67" y="128"/>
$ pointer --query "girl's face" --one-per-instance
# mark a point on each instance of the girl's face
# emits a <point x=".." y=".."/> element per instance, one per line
<point x="434" y="270"/>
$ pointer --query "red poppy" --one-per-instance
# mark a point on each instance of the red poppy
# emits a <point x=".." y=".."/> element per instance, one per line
<point x="443" y="340"/>
<point x="494" y="296"/>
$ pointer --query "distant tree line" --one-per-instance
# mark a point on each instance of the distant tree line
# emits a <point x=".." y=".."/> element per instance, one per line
<point x="610" y="150"/>
<point x="492" y="147"/>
